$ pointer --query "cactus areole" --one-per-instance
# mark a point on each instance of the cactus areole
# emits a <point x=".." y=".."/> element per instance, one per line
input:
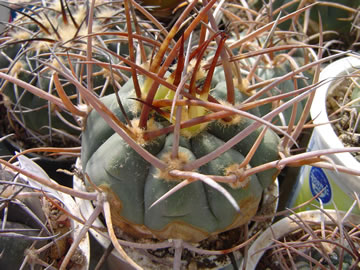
<point x="193" y="212"/>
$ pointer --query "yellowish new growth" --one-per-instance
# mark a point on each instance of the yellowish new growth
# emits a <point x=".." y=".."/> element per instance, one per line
<point x="172" y="164"/>
<point x="193" y="130"/>
<point x="243" y="85"/>
<point x="237" y="170"/>
<point x="200" y="74"/>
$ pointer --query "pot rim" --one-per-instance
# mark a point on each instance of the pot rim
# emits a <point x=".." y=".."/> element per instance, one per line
<point x="332" y="75"/>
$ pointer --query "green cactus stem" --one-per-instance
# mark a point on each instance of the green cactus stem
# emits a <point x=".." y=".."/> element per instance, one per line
<point x="194" y="212"/>
<point x="35" y="43"/>
<point x="177" y="196"/>
<point x="335" y="15"/>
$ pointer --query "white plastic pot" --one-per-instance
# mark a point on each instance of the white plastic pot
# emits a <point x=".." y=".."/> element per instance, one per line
<point x="84" y="245"/>
<point x="267" y="207"/>
<point x="338" y="187"/>
<point x="288" y="225"/>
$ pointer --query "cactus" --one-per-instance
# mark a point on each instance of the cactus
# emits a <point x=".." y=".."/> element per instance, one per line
<point x="23" y="215"/>
<point x="294" y="234"/>
<point x="133" y="181"/>
<point x="38" y="38"/>
<point x="136" y="186"/>
<point x="336" y="16"/>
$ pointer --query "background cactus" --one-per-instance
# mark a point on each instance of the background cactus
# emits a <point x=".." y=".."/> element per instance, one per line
<point x="337" y="17"/>
<point x="293" y="246"/>
<point x="22" y="215"/>
<point x="38" y="37"/>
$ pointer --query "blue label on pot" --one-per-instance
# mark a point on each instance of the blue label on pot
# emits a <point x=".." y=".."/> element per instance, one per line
<point x="319" y="182"/>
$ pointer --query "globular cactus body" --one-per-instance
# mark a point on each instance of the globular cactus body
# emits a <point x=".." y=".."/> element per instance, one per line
<point x="36" y="43"/>
<point x="275" y="71"/>
<point x="14" y="250"/>
<point x="332" y="17"/>
<point x="192" y="213"/>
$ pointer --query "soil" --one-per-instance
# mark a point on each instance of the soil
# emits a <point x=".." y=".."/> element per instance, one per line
<point x="60" y="224"/>
<point x="344" y="117"/>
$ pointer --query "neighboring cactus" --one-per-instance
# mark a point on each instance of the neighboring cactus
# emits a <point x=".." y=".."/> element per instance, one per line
<point x="39" y="37"/>
<point x="336" y="15"/>
<point x="280" y="66"/>
<point x="316" y="239"/>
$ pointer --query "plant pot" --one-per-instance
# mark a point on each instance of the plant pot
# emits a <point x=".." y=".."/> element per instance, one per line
<point x="44" y="209"/>
<point x="338" y="187"/>
<point x="267" y="208"/>
<point x="287" y="225"/>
